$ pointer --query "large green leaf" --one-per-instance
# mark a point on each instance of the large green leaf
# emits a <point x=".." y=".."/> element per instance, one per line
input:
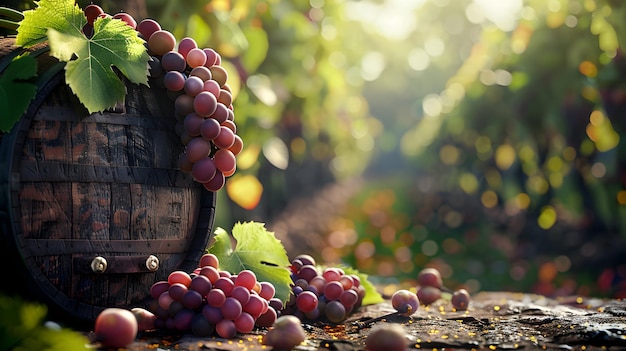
<point x="89" y="71"/>
<point x="61" y="15"/>
<point x="16" y="90"/>
<point x="257" y="250"/>
<point x="91" y="75"/>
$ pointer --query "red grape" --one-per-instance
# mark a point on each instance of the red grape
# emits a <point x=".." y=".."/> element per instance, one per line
<point x="92" y="11"/>
<point x="159" y="288"/>
<point x="185" y="45"/>
<point x="335" y="311"/>
<point x="174" y="81"/>
<point x="225" y="97"/>
<point x="428" y="294"/>
<point x="161" y="42"/>
<point x="179" y="277"/>
<point x="405" y="302"/>
<point x="115" y="327"/>
<point x="193" y="123"/>
<point x="210" y="129"/>
<point x="430" y="277"/>
<point x="204" y="170"/>
<point x="267" y="319"/>
<point x="267" y="290"/>
<point x="219" y="74"/>
<point x="246" y="278"/>
<point x="213" y="87"/>
<point x="177" y="291"/>
<point x="128" y="19"/>
<point x="211" y="57"/>
<point x="196" y="58"/>
<point x="286" y="333"/>
<point x="202" y="73"/>
<point x="225" y="161"/>
<point x="306" y="301"/>
<point x="147" y="27"/>
<point x="173" y="61"/>
<point x="197" y="149"/>
<point x="231" y="308"/>
<point x="386" y="337"/>
<point x="244" y="323"/>
<point x="209" y="260"/>
<point x="225" y="139"/>
<point x="226" y="329"/>
<point x="237" y="146"/>
<point x="216" y="183"/>
<point x="201" y="284"/>
<point x="193" y="86"/>
<point x="460" y="299"/>
<point x="205" y="103"/>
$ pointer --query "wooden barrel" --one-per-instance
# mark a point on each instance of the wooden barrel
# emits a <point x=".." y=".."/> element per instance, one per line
<point x="93" y="207"/>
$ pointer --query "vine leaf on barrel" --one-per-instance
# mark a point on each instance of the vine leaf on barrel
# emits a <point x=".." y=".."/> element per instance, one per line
<point x="89" y="69"/>
<point x="62" y="15"/>
<point x="258" y="250"/>
<point x="16" y="90"/>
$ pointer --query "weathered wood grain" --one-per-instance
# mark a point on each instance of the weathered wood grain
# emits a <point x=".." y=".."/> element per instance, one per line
<point x="106" y="184"/>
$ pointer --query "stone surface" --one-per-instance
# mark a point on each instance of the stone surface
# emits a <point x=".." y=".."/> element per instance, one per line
<point x="494" y="321"/>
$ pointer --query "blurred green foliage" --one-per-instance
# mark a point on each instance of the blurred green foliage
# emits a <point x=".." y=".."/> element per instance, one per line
<point x="511" y="174"/>
<point x="490" y="131"/>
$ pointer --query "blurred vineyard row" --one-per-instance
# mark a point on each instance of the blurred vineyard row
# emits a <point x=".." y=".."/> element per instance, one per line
<point x="489" y="133"/>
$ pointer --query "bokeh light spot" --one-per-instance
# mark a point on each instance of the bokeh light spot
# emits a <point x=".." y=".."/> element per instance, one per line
<point x="547" y="218"/>
<point x="588" y="69"/>
<point x="505" y="156"/>
<point x="430" y="248"/>
<point x="621" y="197"/>
<point x="489" y="199"/>
<point x="449" y="154"/>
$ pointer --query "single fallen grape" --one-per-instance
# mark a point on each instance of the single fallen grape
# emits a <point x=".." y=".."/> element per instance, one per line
<point x="428" y="294"/>
<point x="405" y="302"/>
<point x="386" y="337"/>
<point x="286" y="333"/>
<point x="115" y="327"/>
<point x="145" y="319"/>
<point x="460" y="299"/>
<point x="429" y="277"/>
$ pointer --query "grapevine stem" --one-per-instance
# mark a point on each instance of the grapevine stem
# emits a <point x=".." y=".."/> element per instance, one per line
<point x="368" y="322"/>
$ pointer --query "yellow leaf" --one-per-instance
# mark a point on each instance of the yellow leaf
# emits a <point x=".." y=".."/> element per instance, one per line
<point x="244" y="190"/>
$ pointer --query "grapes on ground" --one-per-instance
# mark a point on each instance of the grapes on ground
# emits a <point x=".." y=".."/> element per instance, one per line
<point x="322" y="293"/>
<point x="209" y="301"/>
<point x="430" y="288"/>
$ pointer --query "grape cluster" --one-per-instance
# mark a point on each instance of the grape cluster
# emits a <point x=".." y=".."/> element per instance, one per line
<point x="430" y="287"/>
<point x="210" y="301"/>
<point x="197" y="84"/>
<point x="327" y="293"/>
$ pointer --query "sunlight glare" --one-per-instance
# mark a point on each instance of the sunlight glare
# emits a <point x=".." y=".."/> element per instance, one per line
<point x="394" y="19"/>
<point x="504" y="14"/>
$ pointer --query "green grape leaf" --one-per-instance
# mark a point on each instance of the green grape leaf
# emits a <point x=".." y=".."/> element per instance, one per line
<point x="22" y="328"/>
<point x="89" y="71"/>
<point x="258" y="250"/>
<point x="61" y="15"/>
<point x="16" y="90"/>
